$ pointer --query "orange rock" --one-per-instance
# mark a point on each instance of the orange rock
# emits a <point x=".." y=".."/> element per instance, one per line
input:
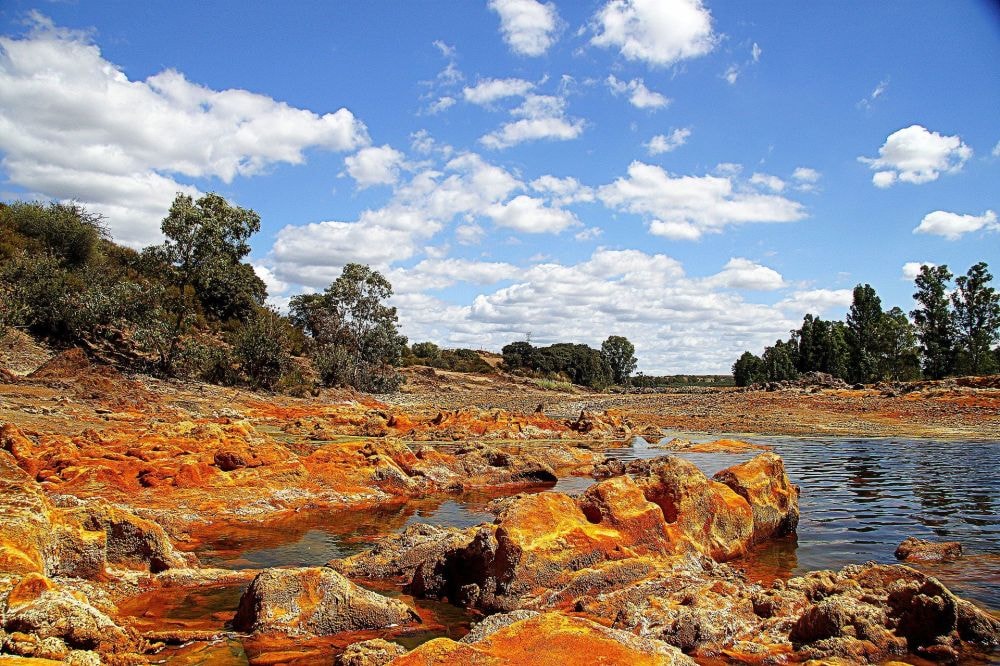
<point x="549" y="639"/>
<point x="763" y="483"/>
<point x="708" y="515"/>
<point x="28" y="589"/>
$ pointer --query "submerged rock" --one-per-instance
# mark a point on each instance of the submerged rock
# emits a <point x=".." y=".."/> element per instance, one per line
<point x="374" y="652"/>
<point x="918" y="550"/>
<point x="315" y="600"/>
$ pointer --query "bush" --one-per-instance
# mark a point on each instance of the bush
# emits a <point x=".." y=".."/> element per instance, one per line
<point x="260" y="347"/>
<point x="425" y="350"/>
<point x="66" y="232"/>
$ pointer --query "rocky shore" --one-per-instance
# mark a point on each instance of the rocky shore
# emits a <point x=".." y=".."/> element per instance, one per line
<point x="109" y="485"/>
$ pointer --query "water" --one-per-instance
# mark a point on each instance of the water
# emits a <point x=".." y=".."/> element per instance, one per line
<point x="860" y="498"/>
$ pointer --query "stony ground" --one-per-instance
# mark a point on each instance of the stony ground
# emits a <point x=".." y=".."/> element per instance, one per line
<point x="108" y="479"/>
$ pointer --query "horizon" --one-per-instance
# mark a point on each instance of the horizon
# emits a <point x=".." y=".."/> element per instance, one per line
<point x="693" y="176"/>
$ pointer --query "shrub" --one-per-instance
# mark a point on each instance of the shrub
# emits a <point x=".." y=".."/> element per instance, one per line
<point x="260" y="347"/>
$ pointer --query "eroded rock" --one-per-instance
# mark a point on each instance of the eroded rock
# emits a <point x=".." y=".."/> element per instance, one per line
<point x="918" y="550"/>
<point x="316" y="601"/>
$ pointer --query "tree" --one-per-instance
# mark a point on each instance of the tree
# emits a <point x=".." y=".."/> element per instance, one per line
<point x="933" y="321"/>
<point x="518" y="355"/>
<point x="260" y="346"/>
<point x="425" y="350"/>
<point x="898" y="358"/>
<point x="206" y="241"/>
<point x="976" y="319"/>
<point x="619" y="354"/>
<point x="779" y="361"/>
<point x="863" y="322"/>
<point x="355" y="336"/>
<point x="748" y="369"/>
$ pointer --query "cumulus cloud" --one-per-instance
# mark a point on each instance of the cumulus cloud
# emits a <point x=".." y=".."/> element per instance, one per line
<point x="531" y="215"/>
<point x="755" y="52"/>
<point x="487" y="91"/>
<point x="772" y="183"/>
<point x="588" y="234"/>
<point x="640" y="96"/>
<point x="74" y="126"/>
<point x="658" y="32"/>
<point x="911" y="269"/>
<point x="953" y="226"/>
<point x="442" y="104"/>
<point x="540" y="117"/>
<point x="817" y="301"/>
<point x="677" y="322"/>
<point x="686" y="207"/>
<point x="529" y="27"/>
<point x="661" y="143"/>
<point x="732" y="74"/>
<point x="916" y="155"/>
<point x="806" y="175"/>
<point x="563" y="191"/>
<point x="996" y="150"/>
<point x="741" y="273"/>
<point x="375" y="166"/>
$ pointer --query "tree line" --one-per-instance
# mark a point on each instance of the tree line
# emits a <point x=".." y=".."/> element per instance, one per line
<point x="951" y="331"/>
<point x="192" y="307"/>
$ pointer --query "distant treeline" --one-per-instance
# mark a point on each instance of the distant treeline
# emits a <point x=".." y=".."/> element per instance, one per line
<point x="951" y="334"/>
<point x="576" y="363"/>
<point x="660" y="381"/>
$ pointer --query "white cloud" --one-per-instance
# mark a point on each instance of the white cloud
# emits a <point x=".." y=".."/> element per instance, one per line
<point x="442" y="104"/>
<point x="879" y="91"/>
<point x="487" y="91"/>
<point x="447" y="50"/>
<point x="666" y="143"/>
<point x="658" y="32"/>
<point x="953" y="225"/>
<point x="916" y="155"/>
<point x="531" y="215"/>
<point x="563" y="191"/>
<point x="529" y="27"/>
<point x="640" y="96"/>
<point x="731" y="74"/>
<point x="469" y="234"/>
<point x="772" y="183"/>
<point x="996" y="150"/>
<point x="375" y="166"/>
<point x="74" y="126"/>
<point x="755" y="52"/>
<point x="911" y="269"/>
<point x="806" y="175"/>
<point x="541" y="117"/>
<point x="816" y="301"/>
<point x="685" y="207"/>
<point x="588" y="234"/>
<point x="741" y="273"/>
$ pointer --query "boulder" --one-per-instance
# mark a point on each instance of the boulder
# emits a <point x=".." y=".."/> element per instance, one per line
<point x="315" y="600"/>
<point x="549" y="639"/>
<point x="773" y="499"/>
<point x="918" y="550"/>
<point x="709" y="516"/>
<point x="374" y="652"/>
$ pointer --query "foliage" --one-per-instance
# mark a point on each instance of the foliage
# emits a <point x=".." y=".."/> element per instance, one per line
<point x="976" y="319"/>
<point x="779" y="361"/>
<point x="425" y="350"/>
<point x="748" y="369"/>
<point x="355" y="339"/>
<point x="619" y="354"/>
<point x="578" y="363"/>
<point x="863" y="325"/>
<point x="933" y="320"/>
<point x="658" y="381"/>
<point x="898" y="359"/>
<point x="66" y="232"/>
<point x="205" y="243"/>
<point x="260" y="347"/>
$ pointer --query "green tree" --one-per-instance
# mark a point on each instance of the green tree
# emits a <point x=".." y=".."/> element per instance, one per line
<point x="619" y="354"/>
<point x="425" y="350"/>
<point x="863" y="322"/>
<point x="205" y="243"/>
<point x="355" y="336"/>
<point x="779" y="361"/>
<point x="260" y="347"/>
<point x="518" y="355"/>
<point x="899" y="358"/>
<point x="748" y="369"/>
<point x="933" y="321"/>
<point x="976" y="319"/>
<point x="67" y="232"/>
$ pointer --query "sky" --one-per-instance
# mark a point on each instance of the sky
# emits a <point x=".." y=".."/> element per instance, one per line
<point x="693" y="175"/>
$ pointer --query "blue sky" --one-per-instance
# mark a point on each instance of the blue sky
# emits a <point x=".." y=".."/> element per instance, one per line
<point x="693" y="175"/>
